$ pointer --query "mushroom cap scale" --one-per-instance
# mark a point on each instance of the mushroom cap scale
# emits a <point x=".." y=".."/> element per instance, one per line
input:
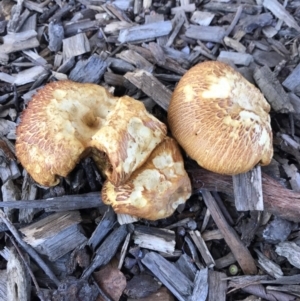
<point x="128" y="137"/>
<point x="220" y="119"/>
<point x="58" y="126"/>
<point x="155" y="190"/>
<point x="55" y="128"/>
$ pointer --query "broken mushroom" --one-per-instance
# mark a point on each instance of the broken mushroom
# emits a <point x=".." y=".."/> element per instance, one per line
<point x="155" y="190"/>
<point x="220" y="119"/>
<point x="65" y="121"/>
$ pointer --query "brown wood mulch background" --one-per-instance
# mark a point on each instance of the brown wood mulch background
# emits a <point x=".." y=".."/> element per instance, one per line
<point x="63" y="243"/>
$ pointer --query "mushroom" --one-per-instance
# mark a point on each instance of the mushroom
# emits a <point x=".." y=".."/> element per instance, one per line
<point x="155" y="190"/>
<point x="66" y="121"/>
<point x="220" y="119"/>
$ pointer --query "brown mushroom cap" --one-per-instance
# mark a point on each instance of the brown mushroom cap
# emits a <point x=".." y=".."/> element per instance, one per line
<point x="62" y="122"/>
<point x="220" y="119"/>
<point x="155" y="190"/>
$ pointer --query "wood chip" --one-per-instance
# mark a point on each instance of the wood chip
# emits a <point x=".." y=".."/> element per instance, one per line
<point x="236" y="58"/>
<point x="280" y="12"/>
<point x="200" y="291"/>
<point x="143" y="32"/>
<point x="206" y="33"/>
<point x="19" y="41"/>
<point x="217" y="286"/>
<point x="136" y="59"/>
<point x="150" y="86"/>
<point x="55" y="235"/>
<point x="272" y="90"/>
<point x="202" y="18"/>
<point x="247" y="189"/>
<point x="75" y="45"/>
<point x="241" y="253"/>
<point x="292" y="81"/>
<point x="202" y="247"/>
<point x="156" y="239"/>
<point x="18" y="278"/>
<point x="172" y="278"/>
<point x="291" y="251"/>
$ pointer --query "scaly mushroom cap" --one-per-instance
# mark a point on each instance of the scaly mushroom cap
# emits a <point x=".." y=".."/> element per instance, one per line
<point x="155" y="190"/>
<point x="220" y="119"/>
<point x="57" y="130"/>
<point x="128" y="137"/>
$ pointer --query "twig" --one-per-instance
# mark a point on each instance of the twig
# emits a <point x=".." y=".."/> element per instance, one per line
<point x="33" y="254"/>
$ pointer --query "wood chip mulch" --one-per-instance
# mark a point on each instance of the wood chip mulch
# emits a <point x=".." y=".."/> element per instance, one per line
<point x="63" y="243"/>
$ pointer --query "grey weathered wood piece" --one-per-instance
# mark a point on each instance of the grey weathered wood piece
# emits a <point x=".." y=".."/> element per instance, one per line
<point x="55" y="235"/>
<point x="217" y="287"/>
<point x="232" y="7"/>
<point x="206" y="33"/>
<point x="247" y="189"/>
<point x="203" y="18"/>
<point x="269" y="266"/>
<point x="132" y="57"/>
<point x="280" y="12"/>
<point x="173" y="64"/>
<point x="169" y="275"/>
<point x="291" y="251"/>
<point x="151" y="87"/>
<point x="18" y="278"/>
<point x="193" y="251"/>
<point x="202" y="247"/>
<point x="56" y="35"/>
<point x="10" y="192"/>
<point x="17" y="18"/>
<point x="3" y="285"/>
<point x="106" y="251"/>
<point x="75" y="45"/>
<point x="119" y="65"/>
<point x="89" y="71"/>
<point x="241" y="253"/>
<point x="179" y="20"/>
<point x="200" y="290"/>
<point x="30" y="23"/>
<point x="267" y="57"/>
<point x="249" y="23"/>
<point x="292" y="81"/>
<point x="272" y="90"/>
<point x="146" y="31"/>
<point x="237" y="58"/>
<point x="38" y="7"/>
<point x="102" y="229"/>
<point x="234" y="44"/>
<point x="19" y="41"/>
<point x="62" y="203"/>
<point x="29" y="192"/>
<point x="186" y="266"/>
<point x="161" y="240"/>
<point x="72" y="28"/>
<point x="29" y="75"/>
